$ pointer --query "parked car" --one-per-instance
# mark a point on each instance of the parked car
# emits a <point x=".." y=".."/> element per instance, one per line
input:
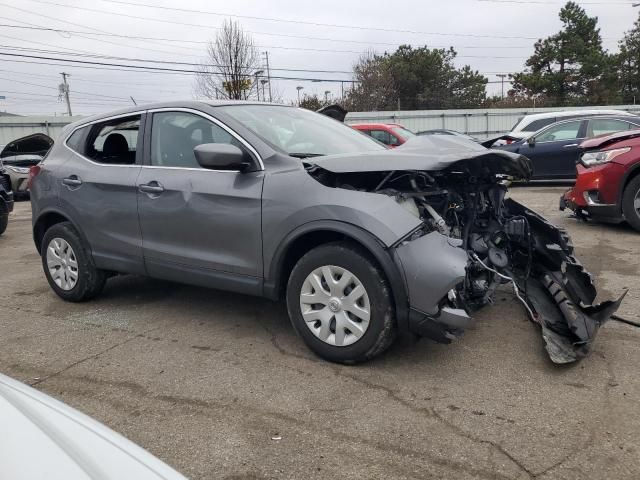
<point x="530" y="124"/>
<point x="391" y="134"/>
<point x="444" y="131"/>
<point x="21" y="154"/>
<point x="6" y="198"/>
<point x="44" y="438"/>
<point x="554" y="150"/>
<point x="360" y="240"/>
<point x="608" y="183"/>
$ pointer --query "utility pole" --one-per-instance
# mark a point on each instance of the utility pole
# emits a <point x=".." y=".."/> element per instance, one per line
<point x="298" y="88"/>
<point x="502" y="76"/>
<point x="64" y="91"/>
<point x="257" y="73"/>
<point x="263" y="81"/>
<point x="266" y="58"/>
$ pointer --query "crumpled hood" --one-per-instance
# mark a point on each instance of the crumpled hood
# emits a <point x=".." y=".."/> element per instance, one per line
<point x="428" y="153"/>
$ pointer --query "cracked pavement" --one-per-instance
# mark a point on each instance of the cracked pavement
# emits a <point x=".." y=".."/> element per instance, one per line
<point x="206" y="379"/>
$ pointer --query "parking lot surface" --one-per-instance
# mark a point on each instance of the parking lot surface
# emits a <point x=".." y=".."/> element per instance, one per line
<point x="219" y="386"/>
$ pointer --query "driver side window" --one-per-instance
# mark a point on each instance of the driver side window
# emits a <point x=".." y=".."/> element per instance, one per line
<point x="174" y="135"/>
<point x="566" y="131"/>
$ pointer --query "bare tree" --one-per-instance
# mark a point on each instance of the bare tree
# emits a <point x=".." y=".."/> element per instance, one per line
<point x="373" y="88"/>
<point x="232" y="61"/>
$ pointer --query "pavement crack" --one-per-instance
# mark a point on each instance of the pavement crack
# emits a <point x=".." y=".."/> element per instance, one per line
<point x="429" y="412"/>
<point x="89" y="357"/>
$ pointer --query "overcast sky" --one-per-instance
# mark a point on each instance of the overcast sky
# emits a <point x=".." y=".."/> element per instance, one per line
<point x="491" y="36"/>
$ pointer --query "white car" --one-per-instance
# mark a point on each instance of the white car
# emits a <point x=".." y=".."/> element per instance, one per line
<point x="43" y="438"/>
<point x="530" y="124"/>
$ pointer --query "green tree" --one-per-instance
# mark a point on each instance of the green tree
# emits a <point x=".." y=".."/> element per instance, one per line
<point x="629" y="64"/>
<point x="414" y="78"/>
<point x="571" y="66"/>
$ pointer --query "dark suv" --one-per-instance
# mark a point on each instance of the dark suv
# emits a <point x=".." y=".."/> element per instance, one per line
<point x="277" y="201"/>
<point x="6" y="198"/>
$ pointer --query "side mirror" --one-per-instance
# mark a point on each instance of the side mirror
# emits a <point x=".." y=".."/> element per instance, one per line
<point x="220" y="156"/>
<point x="531" y="141"/>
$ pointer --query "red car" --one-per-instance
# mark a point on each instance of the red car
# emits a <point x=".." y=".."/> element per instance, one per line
<point x="608" y="183"/>
<point x="391" y="134"/>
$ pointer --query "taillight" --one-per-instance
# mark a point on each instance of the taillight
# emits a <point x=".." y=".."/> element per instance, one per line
<point x="33" y="173"/>
<point x="509" y="141"/>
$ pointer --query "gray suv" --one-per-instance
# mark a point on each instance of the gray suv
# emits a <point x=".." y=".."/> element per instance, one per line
<point x="280" y="202"/>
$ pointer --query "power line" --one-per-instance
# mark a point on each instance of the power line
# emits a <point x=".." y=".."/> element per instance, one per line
<point x="298" y="22"/>
<point x="84" y="27"/>
<point x="174" y="22"/>
<point x="206" y="42"/>
<point x="163" y="62"/>
<point x="161" y="69"/>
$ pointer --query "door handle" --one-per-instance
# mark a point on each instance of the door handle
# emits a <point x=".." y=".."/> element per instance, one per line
<point x="72" y="181"/>
<point x="571" y="146"/>
<point x="151" y="187"/>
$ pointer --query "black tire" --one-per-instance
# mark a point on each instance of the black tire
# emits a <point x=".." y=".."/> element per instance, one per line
<point x="628" y="197"/>
<point x="381" y="331"/>
<point x="90" y="280"/>
<point x="4" y="220"/>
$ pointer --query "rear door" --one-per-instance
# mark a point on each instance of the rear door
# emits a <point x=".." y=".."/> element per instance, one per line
<point x="99" y="190"/>
<point x="198" y="225"/>
<point x="555" y="151"/>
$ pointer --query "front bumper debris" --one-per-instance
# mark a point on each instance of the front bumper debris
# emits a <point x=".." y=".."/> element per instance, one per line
<point x="558" y="292"/>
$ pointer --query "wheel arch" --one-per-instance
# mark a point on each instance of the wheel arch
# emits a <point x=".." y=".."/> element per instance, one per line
<point x="48" y="219"/>
<point x="314" y="234"/>
<point x="632" y="173"/>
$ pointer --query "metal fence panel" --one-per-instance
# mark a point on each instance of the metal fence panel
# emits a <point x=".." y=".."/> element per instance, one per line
<point x="481" y="123"/>
<point x="12" y="128"/>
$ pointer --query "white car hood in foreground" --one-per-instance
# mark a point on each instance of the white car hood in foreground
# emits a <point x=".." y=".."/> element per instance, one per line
<point x="43" y="438"/>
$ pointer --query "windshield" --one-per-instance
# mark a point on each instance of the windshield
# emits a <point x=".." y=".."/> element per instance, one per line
<point x="300" y="132"/>
<point x="403" y="132"/>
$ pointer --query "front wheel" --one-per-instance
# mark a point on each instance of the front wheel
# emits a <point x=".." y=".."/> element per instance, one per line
<point x="631" y="203"/>
<point x="340" y="303"/>
<point x="68" y="266"/>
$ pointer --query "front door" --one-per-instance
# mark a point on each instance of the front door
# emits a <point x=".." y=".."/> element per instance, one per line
<point x="198" y="226"/>
<point x="556" y="150"/>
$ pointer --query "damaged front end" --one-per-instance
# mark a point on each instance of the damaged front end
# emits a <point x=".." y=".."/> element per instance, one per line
<point x="472" y="240"/>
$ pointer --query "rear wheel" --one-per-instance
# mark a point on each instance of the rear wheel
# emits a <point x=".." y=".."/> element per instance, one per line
<point x="340" y="303"/>
<point x="4" y="220"/>
<point x="631" y="203"/>
<point x="68" y="266"/>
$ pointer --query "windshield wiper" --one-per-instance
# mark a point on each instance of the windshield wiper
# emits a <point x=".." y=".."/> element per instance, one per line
<point x="305" y="155"/>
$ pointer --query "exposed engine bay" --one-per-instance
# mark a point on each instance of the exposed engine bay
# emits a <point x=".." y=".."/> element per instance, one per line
<point x="473" y="234"/>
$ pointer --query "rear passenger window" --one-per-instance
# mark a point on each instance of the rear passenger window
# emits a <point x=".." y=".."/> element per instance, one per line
<point x="606" y="126"/>
<point x="114" y="142"/>
<point x="174" y="135"/>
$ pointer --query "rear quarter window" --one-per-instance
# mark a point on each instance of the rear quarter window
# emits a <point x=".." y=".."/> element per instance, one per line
<point x="76" y="141"/>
